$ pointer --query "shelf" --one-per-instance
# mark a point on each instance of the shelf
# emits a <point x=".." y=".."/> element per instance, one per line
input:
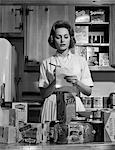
<point x="101" y="68"/>
<point x="91" y="23"/>
<point x="92" y="44"/>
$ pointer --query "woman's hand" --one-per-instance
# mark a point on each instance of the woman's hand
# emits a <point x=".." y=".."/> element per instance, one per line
<point x="81" y="86"/>
<point x="71" y="79"/>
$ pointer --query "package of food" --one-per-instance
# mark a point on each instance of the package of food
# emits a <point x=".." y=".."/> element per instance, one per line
<point x="58" y="133"/>
<point x="80" y="132"/>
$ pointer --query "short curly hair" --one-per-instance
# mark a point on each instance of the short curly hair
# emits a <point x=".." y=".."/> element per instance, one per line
<point x="61" y="24"/>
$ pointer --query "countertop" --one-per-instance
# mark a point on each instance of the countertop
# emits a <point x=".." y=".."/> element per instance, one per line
<point x="88" y="146"/>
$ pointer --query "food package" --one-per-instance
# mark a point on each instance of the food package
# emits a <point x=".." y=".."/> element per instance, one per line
<point x="70" y="106"/>
<point x="80" y="132"/>
<point x="108" y="116"/>
<point x="9" y="117"/>
<point x="7" y="134"/>
<point x="82" y="16"/>
<point x="58" y="133"/>
<point x="21" y="112"/>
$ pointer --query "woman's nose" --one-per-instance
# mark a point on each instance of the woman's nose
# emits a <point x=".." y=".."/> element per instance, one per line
<point x="62" y="39"/>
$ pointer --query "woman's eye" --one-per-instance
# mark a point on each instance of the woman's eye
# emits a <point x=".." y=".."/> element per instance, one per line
<point x="57" y="37"/>
<point x="66" y="37"/>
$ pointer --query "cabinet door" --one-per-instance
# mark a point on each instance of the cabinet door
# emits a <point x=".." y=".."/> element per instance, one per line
<point x="112" y="35"/>
<point x="0" y="19"/>
<point x="39" y="22"/>
<point x="11" y="19"/>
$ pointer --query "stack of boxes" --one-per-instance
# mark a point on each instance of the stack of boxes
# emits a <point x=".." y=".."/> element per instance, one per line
<point x="7" y="128"/>
<point x="14" y="126"/>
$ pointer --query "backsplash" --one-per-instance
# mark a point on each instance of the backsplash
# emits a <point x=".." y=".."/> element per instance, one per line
<point x="103" y="89"/>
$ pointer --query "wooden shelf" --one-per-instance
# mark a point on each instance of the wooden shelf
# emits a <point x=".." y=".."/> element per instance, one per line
<point x="92" y="44"/>
<point x="92" y="23"/>
<point x="101" y="68"/>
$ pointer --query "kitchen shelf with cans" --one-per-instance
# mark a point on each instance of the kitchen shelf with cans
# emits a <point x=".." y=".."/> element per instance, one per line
<point x="92" y="36"/>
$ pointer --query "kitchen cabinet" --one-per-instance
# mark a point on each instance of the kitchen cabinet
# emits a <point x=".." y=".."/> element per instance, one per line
<point x="39" y="22"/>
<point x="11" y="19"/>
<point x="112" y="35"/>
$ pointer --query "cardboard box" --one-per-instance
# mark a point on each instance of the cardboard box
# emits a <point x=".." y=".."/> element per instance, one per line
<point x="103" y="59"/>
<point x="21" y="112"/>
<point x="87" y="102"/>
<point x="82" y="16"/>
<point x="9" y="117"/>
<point x="97" y="102"/>
<point x="97" y="15"/>
<point x="109" y="125"/>
<point x="92" y="56"/>
<point x="7" y="134"/>
<point x="70" y="106"/>
<point x="81" y="34"/>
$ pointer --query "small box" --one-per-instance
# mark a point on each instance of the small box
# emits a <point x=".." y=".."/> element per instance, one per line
<point x="82" y="16"/>
<point x="97" y="102"/>
<point x="97" y="15"/>
<point x="70" y="106"/>
<point x="92" y="56"/>
<point x="103" y="59"/>
<point x="87" y="101"/>
<point x="81" y="34"/>
<point x="81" y="50"/>
<point x="21" y="112"/>
<point x="9" y="117"/>
<point x="109" y="125"/>
<point x="7" y="134"/>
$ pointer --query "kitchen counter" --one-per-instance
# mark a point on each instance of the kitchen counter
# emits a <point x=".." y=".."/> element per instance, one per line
<point x="88" y="146"/>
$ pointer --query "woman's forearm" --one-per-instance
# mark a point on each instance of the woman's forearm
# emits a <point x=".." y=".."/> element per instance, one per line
<point x="83" y="88"/>
<point x="46" y="92"/>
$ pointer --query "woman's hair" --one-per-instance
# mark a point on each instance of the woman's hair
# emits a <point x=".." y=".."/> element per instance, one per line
<point x="61" y="24"/>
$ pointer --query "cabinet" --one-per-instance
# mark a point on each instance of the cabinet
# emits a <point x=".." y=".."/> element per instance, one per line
<point x="92" y="33"/>
<point x="112" y="35"/>
<point x="10" y="19"/>
<point x="39" y="22"/>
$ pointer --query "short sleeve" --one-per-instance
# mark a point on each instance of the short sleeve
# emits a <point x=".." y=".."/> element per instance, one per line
<point x="43" y="81"/>
<point x="86" y="75"/>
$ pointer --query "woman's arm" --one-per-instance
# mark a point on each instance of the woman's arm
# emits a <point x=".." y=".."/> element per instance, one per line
<point x="81" y="86"/>
<point x="46" y="92"/>
<point x="87" y="90"/>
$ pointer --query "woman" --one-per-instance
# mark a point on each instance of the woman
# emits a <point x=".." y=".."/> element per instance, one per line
<point x="62" y="39"/>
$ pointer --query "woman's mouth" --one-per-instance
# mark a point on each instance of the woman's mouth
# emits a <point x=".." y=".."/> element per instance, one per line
<point x="62" y="45"/>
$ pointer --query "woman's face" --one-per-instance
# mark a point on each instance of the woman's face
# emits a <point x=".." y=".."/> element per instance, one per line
<point x="62" y="39"/>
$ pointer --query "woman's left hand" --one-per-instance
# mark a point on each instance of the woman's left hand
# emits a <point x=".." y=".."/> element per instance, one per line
<point x="71" y="79"/>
